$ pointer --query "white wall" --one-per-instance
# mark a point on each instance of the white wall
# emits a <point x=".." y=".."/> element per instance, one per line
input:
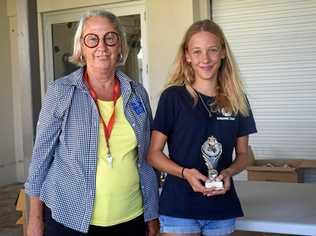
<point x="11" y="8"/>
<point x="167" y="23"/>
<point x="55" y="5"/>
<point x="7" y="157"/>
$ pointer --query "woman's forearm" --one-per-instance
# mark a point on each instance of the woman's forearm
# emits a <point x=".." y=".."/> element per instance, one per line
<point x="242" y="160"/>
<point x="36" y="208"/>
<point x="240" y="163"/>
<point x="161" y="162"/>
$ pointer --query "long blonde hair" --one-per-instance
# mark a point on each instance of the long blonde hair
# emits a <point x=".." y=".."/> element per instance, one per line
<point x="230" y="91"/>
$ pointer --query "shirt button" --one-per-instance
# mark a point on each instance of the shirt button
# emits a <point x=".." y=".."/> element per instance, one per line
<point x="138" y="165"/>
<point x="133" y="124"/>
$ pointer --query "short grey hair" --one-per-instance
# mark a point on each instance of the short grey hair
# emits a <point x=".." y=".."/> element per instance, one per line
<point x="77" y="56"/>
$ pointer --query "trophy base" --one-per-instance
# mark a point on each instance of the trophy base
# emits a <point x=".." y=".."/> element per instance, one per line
<point x="218" y="185"/>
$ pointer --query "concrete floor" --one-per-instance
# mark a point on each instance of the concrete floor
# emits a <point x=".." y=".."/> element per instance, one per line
<point x="8" y="214"/>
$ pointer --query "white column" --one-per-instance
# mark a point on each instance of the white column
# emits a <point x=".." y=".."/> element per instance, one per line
<point x="201" y="9"/>
<point x="27" y="74"/>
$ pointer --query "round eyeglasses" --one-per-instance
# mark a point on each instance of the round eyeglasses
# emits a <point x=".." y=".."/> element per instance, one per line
<point x="109" y="39"/>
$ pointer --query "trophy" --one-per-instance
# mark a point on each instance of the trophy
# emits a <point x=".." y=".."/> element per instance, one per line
<point x="211" y="152"/>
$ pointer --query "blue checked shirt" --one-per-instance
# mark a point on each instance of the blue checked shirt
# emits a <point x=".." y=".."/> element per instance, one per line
<point x="63" y="168"/>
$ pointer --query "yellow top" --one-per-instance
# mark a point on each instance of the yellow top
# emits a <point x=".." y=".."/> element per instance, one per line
<point x="118" y="195"/>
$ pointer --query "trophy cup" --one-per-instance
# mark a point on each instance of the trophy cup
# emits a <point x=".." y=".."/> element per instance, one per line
<point x="211" y="152"/>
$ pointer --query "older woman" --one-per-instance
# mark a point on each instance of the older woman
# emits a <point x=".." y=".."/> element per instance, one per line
<point x="88" y="174"/>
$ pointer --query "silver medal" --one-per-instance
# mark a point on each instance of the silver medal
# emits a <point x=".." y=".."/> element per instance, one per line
<point x="109" y="160"/>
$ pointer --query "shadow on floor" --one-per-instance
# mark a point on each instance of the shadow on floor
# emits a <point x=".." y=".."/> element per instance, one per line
<point x="8" y="214"/>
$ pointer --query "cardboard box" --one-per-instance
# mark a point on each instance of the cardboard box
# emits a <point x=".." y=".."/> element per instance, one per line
<point x="280" y="170"/>
<point x="20" y="206"/>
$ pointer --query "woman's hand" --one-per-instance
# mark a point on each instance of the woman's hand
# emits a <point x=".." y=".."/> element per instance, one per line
<point x="35" y="227"/>
<point x="153" y="227"/>
<point x="224" y="176"/>
<point x="194" y="178"/>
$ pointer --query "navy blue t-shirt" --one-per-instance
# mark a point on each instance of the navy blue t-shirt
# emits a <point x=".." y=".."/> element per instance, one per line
<point x="187" y="128"/>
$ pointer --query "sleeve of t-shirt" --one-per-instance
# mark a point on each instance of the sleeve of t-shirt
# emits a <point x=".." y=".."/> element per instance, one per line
<point x="247" y="125"/>
<point x="165" y="113"/>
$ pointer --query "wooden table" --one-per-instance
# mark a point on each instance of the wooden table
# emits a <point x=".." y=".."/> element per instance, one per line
<point x="274" y="207"/>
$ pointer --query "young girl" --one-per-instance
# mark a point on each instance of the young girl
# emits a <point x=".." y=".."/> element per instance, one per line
<point x="204" y="101"/>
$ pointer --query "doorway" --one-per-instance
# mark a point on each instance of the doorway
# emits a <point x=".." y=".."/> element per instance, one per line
<point x="62" y="46"/>
<point x="59" y="29"/>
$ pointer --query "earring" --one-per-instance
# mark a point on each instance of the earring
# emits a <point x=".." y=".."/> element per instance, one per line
<point x="120" y="58"/>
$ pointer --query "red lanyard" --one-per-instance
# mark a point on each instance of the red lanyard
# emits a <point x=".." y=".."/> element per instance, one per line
<point x="107" y="129"/>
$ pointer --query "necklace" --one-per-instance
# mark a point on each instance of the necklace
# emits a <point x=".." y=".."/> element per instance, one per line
<point x="209" y="108"/>
<point x="107" y="128"/>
